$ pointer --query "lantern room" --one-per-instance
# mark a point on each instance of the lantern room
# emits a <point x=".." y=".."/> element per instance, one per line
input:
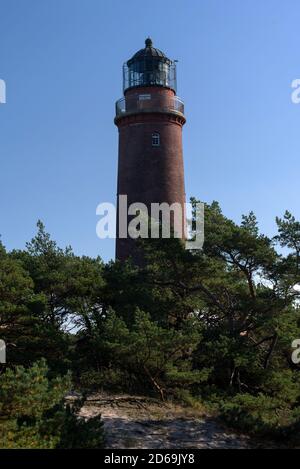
<point x="149" y="67"/>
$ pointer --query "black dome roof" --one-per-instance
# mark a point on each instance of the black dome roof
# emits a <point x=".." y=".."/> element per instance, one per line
<point x="149" y="52"/>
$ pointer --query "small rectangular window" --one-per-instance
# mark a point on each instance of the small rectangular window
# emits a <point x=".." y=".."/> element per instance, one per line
<point x="155" y="139"/>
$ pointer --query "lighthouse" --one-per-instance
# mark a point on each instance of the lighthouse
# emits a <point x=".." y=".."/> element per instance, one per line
<point x="150" y="118"/>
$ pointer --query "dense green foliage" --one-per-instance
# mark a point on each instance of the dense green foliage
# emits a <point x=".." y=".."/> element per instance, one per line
<point x="33" y="413"/>
<point x="215" y="325"/>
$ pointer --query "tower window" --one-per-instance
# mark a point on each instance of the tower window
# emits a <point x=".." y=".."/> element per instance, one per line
<point x="155" y="139"/>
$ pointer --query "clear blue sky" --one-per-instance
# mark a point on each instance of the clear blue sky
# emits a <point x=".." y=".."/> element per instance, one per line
<point x="62" y="59"/>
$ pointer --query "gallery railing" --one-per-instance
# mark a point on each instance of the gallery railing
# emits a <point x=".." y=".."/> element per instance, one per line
<point x="147" y="103"/>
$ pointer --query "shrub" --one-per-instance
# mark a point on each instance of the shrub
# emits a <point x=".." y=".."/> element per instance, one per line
<point x="263" y="415"/>
<point x="108" y="379"/>
<point x="33" y="413"/>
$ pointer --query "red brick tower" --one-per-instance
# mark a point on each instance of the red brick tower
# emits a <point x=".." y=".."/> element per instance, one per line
<point x="150" y="118"/>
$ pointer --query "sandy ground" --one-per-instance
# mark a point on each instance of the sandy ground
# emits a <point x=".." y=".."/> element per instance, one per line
<point x="133" y="422"/>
